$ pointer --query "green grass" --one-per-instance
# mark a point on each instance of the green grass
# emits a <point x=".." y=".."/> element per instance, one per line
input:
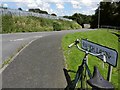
<point x="73" y="57"/>
<point x="13" y="24"/>
<point x="6" y="62"/>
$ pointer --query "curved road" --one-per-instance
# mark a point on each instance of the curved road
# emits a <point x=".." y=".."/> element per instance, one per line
<point x="40" y="65"/>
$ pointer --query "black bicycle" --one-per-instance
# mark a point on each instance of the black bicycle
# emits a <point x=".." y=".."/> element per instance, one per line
<point x="96" y="81"/>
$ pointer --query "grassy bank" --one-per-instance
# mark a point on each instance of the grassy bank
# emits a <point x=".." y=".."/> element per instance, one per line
<point x="73" y="57"/>
<point x="12" y="24"/>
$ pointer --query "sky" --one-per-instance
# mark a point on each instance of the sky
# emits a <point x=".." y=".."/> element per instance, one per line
<point x="59" y="7"/>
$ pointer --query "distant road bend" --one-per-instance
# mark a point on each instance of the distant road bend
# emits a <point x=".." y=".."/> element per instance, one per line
<point x="39" y="65"/>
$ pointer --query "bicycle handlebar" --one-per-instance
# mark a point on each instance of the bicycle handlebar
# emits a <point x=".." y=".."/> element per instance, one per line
<point x="71" y="45"/>
<point x="75" y="43"/>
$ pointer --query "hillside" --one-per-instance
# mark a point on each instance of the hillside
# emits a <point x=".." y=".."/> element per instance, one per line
<point x="12" y="24"/>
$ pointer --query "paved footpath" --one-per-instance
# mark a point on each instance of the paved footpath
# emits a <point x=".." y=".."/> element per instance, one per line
<point x="40" y="65"/>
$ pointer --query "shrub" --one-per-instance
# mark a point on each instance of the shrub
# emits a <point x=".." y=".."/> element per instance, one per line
<point x="34" y="24"/>
<point x="75" y="25"/>
<point x="7" y="23"/>
<point x="57" y="26"/>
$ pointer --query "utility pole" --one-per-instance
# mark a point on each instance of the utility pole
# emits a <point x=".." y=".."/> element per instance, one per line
<point x="99" y="15"/>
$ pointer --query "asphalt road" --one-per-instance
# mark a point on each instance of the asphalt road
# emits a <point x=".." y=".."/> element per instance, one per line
<point x="40" y="65"/>
<point x="12" y="42"/>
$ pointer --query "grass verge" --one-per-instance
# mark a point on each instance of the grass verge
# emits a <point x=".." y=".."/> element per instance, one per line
<point x="73" y="57"/>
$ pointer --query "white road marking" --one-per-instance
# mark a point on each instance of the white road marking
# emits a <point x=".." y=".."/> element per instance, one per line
<point x="17" y="40"/>
<point x="2" y="69"/>
<point x="21" y="39"/>
<point x="38" y="36"/>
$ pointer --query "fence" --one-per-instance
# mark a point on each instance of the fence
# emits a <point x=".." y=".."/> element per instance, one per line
<point x="110" y="27"/>
<point x="15" y="12"/>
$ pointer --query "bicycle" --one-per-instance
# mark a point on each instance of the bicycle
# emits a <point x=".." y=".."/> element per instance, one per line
<point x="96" y="81"/>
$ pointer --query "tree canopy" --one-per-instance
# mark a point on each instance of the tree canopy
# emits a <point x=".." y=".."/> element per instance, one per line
<point x="109" y="14"/>
<point x="20" y="9"/>
<point x="37" y="10"/>
<point x="80" y="18"/>
<point x="53" y="14"/>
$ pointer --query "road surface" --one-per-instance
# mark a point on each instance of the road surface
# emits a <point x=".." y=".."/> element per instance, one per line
<point x="40" y="65"/>
<point x="12" y="42"/>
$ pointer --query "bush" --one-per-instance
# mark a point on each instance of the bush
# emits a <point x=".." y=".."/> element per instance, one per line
<point x="7" y="23"/>
<point x="57" y="26"/>
<point x="75" y="25"/>
<point x="12" y="24"/>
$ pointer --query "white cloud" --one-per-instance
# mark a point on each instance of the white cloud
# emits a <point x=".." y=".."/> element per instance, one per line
<point x="32" y="5"/>
<point x="88" y="12"/>
<point x="37" y="4"/>
<point x="13" y="0"/>
<point x="59" y="5"/>
<point x="60" y="12"/>
<point x="87" y="2"/>
<point x="76" y="4"/>
<point x="34" y="0"/>
<point x="75" y="11"/>
<point x="51" y="11"/>
<point x="30" y="1"/>
<point x="94" y="8"/>
<point x="38" y="1"/>
<point x="45" y="5"/>
<point x="3" y="5"/>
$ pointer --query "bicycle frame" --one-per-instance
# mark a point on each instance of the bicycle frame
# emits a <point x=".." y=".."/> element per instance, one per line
<point x="79" y="73"/>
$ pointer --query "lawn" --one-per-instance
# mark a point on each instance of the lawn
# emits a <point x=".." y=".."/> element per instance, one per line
<point x="73" y="57"/>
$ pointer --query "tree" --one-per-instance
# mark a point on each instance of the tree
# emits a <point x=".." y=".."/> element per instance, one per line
<point x="37" y="10"/>
<point x="80" y="18"/>
<point x="109" y="14"/>
<point x="4" y="6"/>
<point x="53" y="14"/>
<point x="20" y="9"/>
<point x="31" y="10"/>
<point x="66" y="17"/>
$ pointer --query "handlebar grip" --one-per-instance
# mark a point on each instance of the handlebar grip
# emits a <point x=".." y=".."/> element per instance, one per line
<point x="75" y="43"/>
<point x="71" y="45"/>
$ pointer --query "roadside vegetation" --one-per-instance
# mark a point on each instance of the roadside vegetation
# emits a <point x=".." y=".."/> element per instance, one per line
<point x="73" y="57"/>
<point x="13" y="24"/>
<point x="109" y="15"/>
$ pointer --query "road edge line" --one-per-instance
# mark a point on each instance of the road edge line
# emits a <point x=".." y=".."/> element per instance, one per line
<point x="14" y="56"/>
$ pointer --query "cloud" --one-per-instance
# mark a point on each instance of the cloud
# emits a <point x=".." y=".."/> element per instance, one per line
<point x="60" y="5"/>
<point x="87" y="2"/>
<point x="37" y="4"/>
<point x="44" y="6"/>
<point x="3" y="5"/>
<point x="35" y="0"/>
<point x="93" y="9"/>
<point x="32" y="5"/>
<point x="87" y="12"/>
<point x="76" y="4"/>
<point x="13" y="0"/>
